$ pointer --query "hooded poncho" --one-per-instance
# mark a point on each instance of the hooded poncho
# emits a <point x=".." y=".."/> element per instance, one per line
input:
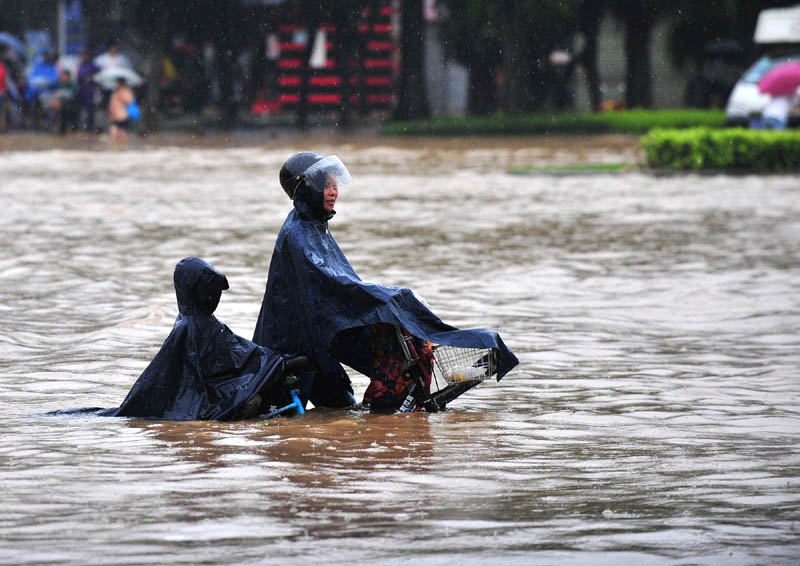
<point x="313" y="294"/>
<point x="203" y="370"/>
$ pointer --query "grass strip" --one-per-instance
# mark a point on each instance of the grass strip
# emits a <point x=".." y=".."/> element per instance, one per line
<point x="574" y="123"/>
<point x="574" y="168"/>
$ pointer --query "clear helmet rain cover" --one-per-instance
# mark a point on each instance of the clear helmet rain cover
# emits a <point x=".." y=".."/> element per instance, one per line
<point x="327" y="171"/>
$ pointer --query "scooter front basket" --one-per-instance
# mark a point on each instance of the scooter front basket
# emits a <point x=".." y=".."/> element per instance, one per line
<point x="458" y="365"/>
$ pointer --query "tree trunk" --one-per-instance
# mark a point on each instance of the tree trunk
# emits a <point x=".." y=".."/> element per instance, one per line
<point x="638" y="76"/>
<point x="516" y="57"/>
<point x="539" y="80"/>
<point x="312" y="25"/>
<point x="413" y="95"/>
<point x="589" y="61"/>
<point x="348" y="55"/>
<point x="481" y="97"/>
<point x="590" y="15"/>
<point x="227" y="75"/>
<point x="305" y="75"/>
<point x="157" y="42"/>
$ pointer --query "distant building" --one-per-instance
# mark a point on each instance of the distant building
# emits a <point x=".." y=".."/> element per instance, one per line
<point x="372" y="74"/>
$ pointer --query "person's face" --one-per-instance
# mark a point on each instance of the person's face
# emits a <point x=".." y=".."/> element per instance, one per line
<point x="330" y="195"/>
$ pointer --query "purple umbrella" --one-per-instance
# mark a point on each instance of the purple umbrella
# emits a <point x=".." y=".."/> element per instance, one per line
<point x="782" y="80"/>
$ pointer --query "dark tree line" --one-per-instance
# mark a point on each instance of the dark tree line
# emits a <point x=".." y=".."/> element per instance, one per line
<point x="515" y="36"/>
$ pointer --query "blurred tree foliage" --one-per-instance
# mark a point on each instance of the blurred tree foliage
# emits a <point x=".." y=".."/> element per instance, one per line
<point x="474" y="38"/>
<point x="507" y="44"/>
<point x="512" y="39"/>
<point x="698" y="23"/>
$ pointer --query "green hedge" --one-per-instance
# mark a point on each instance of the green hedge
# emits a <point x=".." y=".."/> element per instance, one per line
<point x="734" y="148"/>
<point x="620" y="122"/>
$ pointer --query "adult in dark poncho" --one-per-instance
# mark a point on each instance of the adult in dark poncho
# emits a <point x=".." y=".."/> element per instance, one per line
<point x="203" y="370"/>
<point x="315" y="304"/>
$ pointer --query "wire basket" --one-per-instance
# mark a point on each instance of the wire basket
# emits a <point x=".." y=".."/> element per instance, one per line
<point x="457" y="365"/>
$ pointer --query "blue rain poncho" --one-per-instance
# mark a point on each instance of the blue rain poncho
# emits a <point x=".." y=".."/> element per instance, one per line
<point x="313" y="294"/>
<point x="203" y="371"/>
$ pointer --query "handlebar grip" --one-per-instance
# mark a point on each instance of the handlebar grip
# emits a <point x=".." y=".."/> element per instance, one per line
<point x="297" y="364"/>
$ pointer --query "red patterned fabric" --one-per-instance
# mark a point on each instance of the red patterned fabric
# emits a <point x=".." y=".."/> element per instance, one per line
<point x="376" y="352"/>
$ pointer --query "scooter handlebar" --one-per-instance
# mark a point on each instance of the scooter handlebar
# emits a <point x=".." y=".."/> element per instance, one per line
<point x="298" y="364"/>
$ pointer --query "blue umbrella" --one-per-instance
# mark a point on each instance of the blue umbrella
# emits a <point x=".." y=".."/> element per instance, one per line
<point x="11" y="41"/>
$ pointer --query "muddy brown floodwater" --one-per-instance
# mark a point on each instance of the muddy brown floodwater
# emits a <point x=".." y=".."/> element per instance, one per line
<point x="654" y="417"/>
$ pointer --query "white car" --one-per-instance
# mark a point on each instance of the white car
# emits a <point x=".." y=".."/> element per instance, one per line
<point x="746" y="102"/>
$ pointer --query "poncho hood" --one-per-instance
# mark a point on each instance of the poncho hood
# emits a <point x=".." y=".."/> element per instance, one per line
<point x="198" y="286"/>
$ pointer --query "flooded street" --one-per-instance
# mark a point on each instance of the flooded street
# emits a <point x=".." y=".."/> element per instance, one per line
<point x="654" y="417"/>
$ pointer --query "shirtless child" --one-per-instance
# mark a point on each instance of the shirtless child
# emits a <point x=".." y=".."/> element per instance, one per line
<point x="118" y="114"/>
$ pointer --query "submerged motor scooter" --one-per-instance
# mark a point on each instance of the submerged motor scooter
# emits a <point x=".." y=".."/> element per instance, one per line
<point x="455" y="371"/>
